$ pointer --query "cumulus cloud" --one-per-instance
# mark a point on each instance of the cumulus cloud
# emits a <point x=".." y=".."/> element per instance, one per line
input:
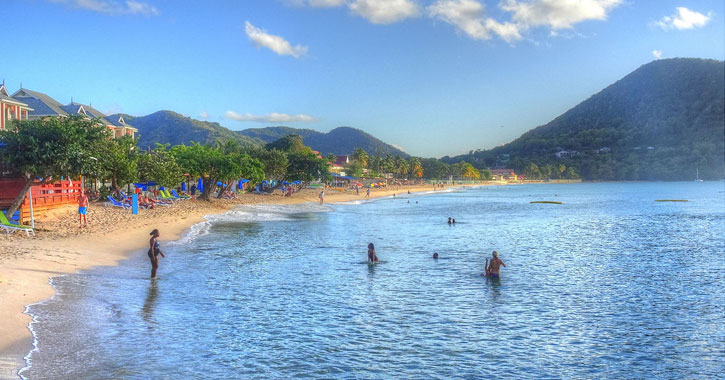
<point x="557" y="14"/>
<point x="385" y="11"/>
<point x="112" y="7"/>
<point x="325" y="3"/>
<point x="468" y="16"/>
<point x="657" y="53"/>
<point x="204" y="115"/>
<point x="684" y="19"/>
<point x="275" y="43"/>
<point x="271" y="118"/>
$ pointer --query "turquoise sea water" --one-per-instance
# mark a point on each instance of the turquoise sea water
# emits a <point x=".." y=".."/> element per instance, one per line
<point x="610" y="284"/>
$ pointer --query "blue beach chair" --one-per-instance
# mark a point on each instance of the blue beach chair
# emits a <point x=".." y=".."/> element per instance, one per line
<point x="114" y="203"/>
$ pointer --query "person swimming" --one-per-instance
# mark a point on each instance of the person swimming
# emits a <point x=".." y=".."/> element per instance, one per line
<point x="493" y="268"/>
<point x="154" y="251"/>
<point x="435" y="255"/>
<point x="372" y="255"/>
<point x="450" y="220"/>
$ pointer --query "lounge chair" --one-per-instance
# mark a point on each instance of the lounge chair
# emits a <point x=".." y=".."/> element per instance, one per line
<point x="114" y="203"/>
<point x="168" y="195"/>
<point x="4" y="223"/>
<point x="162" y="194"/>
<point x="179" y="196"/>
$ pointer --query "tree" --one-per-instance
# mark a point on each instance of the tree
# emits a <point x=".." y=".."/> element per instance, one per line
<point x="48" y="148"/>
<point x="434" y="169"/>
<point x="416" y="168"/>
<point x="119" y="161"/>
<point x="331" y="157"/>
<point x="291" y="144"/>
<point x="306" y="167"/>
<point x="208" y="163"/>
<point x="532" y="171"/>
<point x="159" y="166"/>
<point x="361" y="156"/>
<point x="275" y="163"/>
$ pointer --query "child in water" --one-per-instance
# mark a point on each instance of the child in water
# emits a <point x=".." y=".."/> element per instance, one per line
<point x="372" y="256"/>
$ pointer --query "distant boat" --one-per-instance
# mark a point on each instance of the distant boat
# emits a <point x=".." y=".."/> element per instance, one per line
<point x="697" y="178"/>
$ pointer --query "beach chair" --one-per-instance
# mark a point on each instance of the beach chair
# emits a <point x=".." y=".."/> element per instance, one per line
<point x="5" y="224"/>
<point x="179" y="196"/>
<point x="164" y="194"/>
<point x="114" y="203"/>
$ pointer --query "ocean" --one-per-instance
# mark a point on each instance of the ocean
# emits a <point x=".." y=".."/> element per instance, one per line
<point x="609" y="284"/>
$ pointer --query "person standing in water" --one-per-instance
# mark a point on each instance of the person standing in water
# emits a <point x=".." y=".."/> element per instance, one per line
<point x="322" y="196"/>
<point x="372" y="255"/>
<point x="493" y="267"/>
<point x="154" y="251"/>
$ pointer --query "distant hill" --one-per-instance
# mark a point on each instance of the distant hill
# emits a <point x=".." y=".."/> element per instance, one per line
<point x="661" y="122"/>
<point x="339" y="141"/>
<point x="171" y="127"/>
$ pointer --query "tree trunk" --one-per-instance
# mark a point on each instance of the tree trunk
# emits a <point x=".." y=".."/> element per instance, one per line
<point x="19" y="198"/>
<point x="227" y="188"/>
<point x="208" y="188"/>
<point x="114" y="184"/>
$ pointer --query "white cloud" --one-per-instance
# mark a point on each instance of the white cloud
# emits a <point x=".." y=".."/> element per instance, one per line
<point x="275" y="43"/>
<point x="271" y="118"/>
<point x="467" y="16"/>
<point x="325" y="3"/>
<point x="385" y="11"/>
<point x="684" y="19"/>
<point x="400" y="148"/>
<point x="557" y="14"/>
<point x="112" y="7"/>
<point x="204" y="115"/>
<point x="657" y="54"/>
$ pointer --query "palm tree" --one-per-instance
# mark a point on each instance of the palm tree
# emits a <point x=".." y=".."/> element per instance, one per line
<point x="361" y="156"/>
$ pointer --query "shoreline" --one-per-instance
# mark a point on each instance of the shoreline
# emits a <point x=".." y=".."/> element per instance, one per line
<point x="27" y="265"/>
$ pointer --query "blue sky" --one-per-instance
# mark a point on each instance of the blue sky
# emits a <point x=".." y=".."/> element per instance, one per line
<point x="435" y="77"/>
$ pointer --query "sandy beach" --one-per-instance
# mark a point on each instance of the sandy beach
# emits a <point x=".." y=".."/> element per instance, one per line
<point x="61" y="247"/>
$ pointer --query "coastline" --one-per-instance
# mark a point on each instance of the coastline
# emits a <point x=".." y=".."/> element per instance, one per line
<point x="28" y="264"/>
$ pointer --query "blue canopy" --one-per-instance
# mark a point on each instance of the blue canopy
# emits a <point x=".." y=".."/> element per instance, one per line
<point x="183" y="186"/>
<point x="200" y="185"/>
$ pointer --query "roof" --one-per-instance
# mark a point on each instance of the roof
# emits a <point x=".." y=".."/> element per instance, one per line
<point x="82" y="109"/>
<point x="42" y="104"/>
<point x="501" y="171"/>
<point x="4" y="95"/>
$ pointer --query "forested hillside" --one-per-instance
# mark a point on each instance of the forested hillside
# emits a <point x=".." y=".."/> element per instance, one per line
<point x="661" y="122"/>
<point x="168" y="127"/>
<point x="339" y="141"/>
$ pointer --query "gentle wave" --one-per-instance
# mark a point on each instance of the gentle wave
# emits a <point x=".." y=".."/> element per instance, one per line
<point x="250" y="214"/>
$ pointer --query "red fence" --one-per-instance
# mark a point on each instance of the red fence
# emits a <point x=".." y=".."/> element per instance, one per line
<point x="46" y="196"/>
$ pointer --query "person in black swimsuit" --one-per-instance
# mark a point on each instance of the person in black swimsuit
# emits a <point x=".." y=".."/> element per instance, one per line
<point x="154" y="251"/>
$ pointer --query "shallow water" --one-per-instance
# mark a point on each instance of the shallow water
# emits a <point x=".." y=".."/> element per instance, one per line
<point x="610" y="284"/>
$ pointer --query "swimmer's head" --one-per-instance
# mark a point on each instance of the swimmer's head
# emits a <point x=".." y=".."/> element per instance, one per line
<point x="495" y="254"/>
<point x="371" y="246"/>
<point x="435" y="255"/>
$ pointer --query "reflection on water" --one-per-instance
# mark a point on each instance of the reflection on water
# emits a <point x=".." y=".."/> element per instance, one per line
<point x="610" y="284"/>
<point x="147" y="311"/>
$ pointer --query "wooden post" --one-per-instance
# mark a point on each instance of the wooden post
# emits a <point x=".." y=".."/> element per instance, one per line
<point x="30" y="198"/>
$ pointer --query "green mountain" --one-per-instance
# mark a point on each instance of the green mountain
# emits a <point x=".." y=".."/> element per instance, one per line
<point x="339" y="141"/>
<point x="663" y="121"/>
<point x="171" y="127"/>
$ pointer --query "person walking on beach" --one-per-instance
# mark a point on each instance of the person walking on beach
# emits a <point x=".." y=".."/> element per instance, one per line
<point x="372" y="255"/>
<point x="322" y="196"/>
<point x="82" y="210"/>
<point x="493" y="268"/>
<point x="155" y="251"/>
<point x="193" y="192"/>
<point x="367" y="193"/>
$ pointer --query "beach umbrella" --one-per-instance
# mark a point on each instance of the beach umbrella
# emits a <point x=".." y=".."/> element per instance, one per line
<point x="183" y="186"/>
<point x="200" y="185"/>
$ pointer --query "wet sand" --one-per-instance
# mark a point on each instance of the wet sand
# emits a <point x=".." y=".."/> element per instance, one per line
<point x="113" y="234"/>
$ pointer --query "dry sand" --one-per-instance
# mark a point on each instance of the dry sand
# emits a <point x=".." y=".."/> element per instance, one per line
<point x="61" y="247"/>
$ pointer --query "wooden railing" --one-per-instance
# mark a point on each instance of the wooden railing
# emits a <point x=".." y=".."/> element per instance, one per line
<point x="46" y="196"/>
